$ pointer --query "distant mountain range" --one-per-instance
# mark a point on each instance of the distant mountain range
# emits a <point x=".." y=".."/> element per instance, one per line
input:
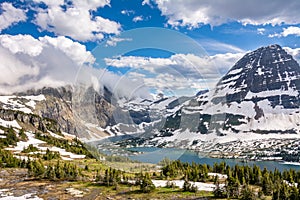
<point x="258" y="95"/>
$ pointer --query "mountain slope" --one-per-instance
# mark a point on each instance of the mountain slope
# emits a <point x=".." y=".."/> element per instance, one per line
<point x="259" y="94"/>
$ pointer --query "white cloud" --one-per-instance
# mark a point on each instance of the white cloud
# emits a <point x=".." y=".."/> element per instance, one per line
<point x="178" y="71"/>
<point x="138" y="18"/>
<point x="214" y="45"/>
<point x="22" y="44"/>
<point x="29" y="63"/>
<point x="193" y="13"/>
<point x="261" y="31"/>
<point x="76" y="20"/>
<point x="188" y="65"/>
<point x="127" y="12"/>
<point x="113" y="41"/>
<point x="292" y="30"/>
<point x="294" y="52"/>
<point x="146" y="2"/>
<point x="74" y="50"/>
<point x="12" y="69"/>
<point x="10" y="15"/>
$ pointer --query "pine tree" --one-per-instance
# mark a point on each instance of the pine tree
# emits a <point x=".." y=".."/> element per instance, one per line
<point x="218" y="191"/>
<point x="294" y="193"/>
<point x="186" y="186"/>
<point x="247" y="194"/>
<point x="50" y="173"/>
<point x="284" y="192"/>
<point x="266" y="184"/>
<point x="147" y="184"/>
<point x="59" y="173"/>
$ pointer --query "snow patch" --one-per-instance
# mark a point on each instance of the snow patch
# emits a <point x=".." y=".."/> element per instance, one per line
<point x="179" y="183"/>
<point x="17" y="102"/>
<point x="8" y="124"/>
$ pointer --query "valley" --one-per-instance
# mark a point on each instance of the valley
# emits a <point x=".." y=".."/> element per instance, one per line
<point x="149" y="99"/>
<point x="78" y="143"/>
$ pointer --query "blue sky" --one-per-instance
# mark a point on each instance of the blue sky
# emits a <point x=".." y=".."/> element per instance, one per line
<point x="176" y="47"/>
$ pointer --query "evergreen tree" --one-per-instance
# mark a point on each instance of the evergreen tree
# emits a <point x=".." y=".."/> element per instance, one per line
<point x="59" y="173"/>
<point x="36" y="168"/>
<point x="266" y="184"/>
<point x="186" y="186"/>
<point x="147" y="184"/>
<point x="294" y="193"/>
<point x="232" y="187"/>
<point x="218" y="191"/>
<point x="50" y="173"/>
<point x="284" y="192"/>
<point x="247" y="193"/>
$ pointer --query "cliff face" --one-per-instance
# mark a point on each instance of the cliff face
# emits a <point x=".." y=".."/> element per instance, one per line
<point x="61" y="110"/>
<point x="37" y="122"/>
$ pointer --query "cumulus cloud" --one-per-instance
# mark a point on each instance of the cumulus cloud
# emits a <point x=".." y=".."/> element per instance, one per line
<point x="138" y="18"/>
<point x="75" y="19"/>
<point x="193" y="13"/>
<point x="13" y="70"/>
<point x="180" y="71"/>
<point x="28" y="63"/>
<point x="292" y="30"/>
<point x="73" y="50"/>
<point x="25" y="44"/>
<point x="10" y="15"/>
<point x="294" y="52"/>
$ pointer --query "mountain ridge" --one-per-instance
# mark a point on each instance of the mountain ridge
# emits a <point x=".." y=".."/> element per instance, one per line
<point x="258" y="94"/>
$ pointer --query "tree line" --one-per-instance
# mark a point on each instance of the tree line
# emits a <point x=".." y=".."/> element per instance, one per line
<point x="242" y="182"/>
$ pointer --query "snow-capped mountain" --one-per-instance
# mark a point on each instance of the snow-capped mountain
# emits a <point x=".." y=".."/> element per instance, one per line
<point x="86" y="113"/>
<point x="259" y="94"/>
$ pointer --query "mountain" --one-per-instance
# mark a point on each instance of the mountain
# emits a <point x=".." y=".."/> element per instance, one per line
<point x="260" y="94"/>
<point x="262" y="90"/>
<point x="258" y="99"/>
<point x="59" y="106"/>
<point x="87" y="113"/>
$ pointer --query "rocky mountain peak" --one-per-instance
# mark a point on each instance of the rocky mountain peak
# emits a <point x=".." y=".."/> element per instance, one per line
<point x="268" y="72"/>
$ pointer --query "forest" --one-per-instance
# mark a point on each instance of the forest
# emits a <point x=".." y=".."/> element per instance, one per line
<point x="241" y="182"/>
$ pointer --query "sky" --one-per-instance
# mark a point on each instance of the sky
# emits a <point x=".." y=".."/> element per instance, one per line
<point x="137" y="48"/>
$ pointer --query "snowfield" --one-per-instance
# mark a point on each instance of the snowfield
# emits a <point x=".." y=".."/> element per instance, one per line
<point x="5" y="194"/>
<point x="65" y="155"/>
<point x="179" y="183"/>
<point x="21" y="103"/>
<point x="8" y="124"/>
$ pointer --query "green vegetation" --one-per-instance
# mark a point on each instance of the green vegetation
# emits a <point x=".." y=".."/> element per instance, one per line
<point x="146" y="184"/>
<point x="75" y="146"/>
<point x="11" y="137"/>
<point x="22" y="135"/>
<point x="30" y="148"/>
<point x="243" y="182"/>
<point x="191" y="172"/>
<point x="59" y="171"/>
<point x="9" y="161"/>
<point x="50" y="155"/>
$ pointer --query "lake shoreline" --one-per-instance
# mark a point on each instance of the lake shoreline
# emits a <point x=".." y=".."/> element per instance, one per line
<point x="155" y="154"/>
